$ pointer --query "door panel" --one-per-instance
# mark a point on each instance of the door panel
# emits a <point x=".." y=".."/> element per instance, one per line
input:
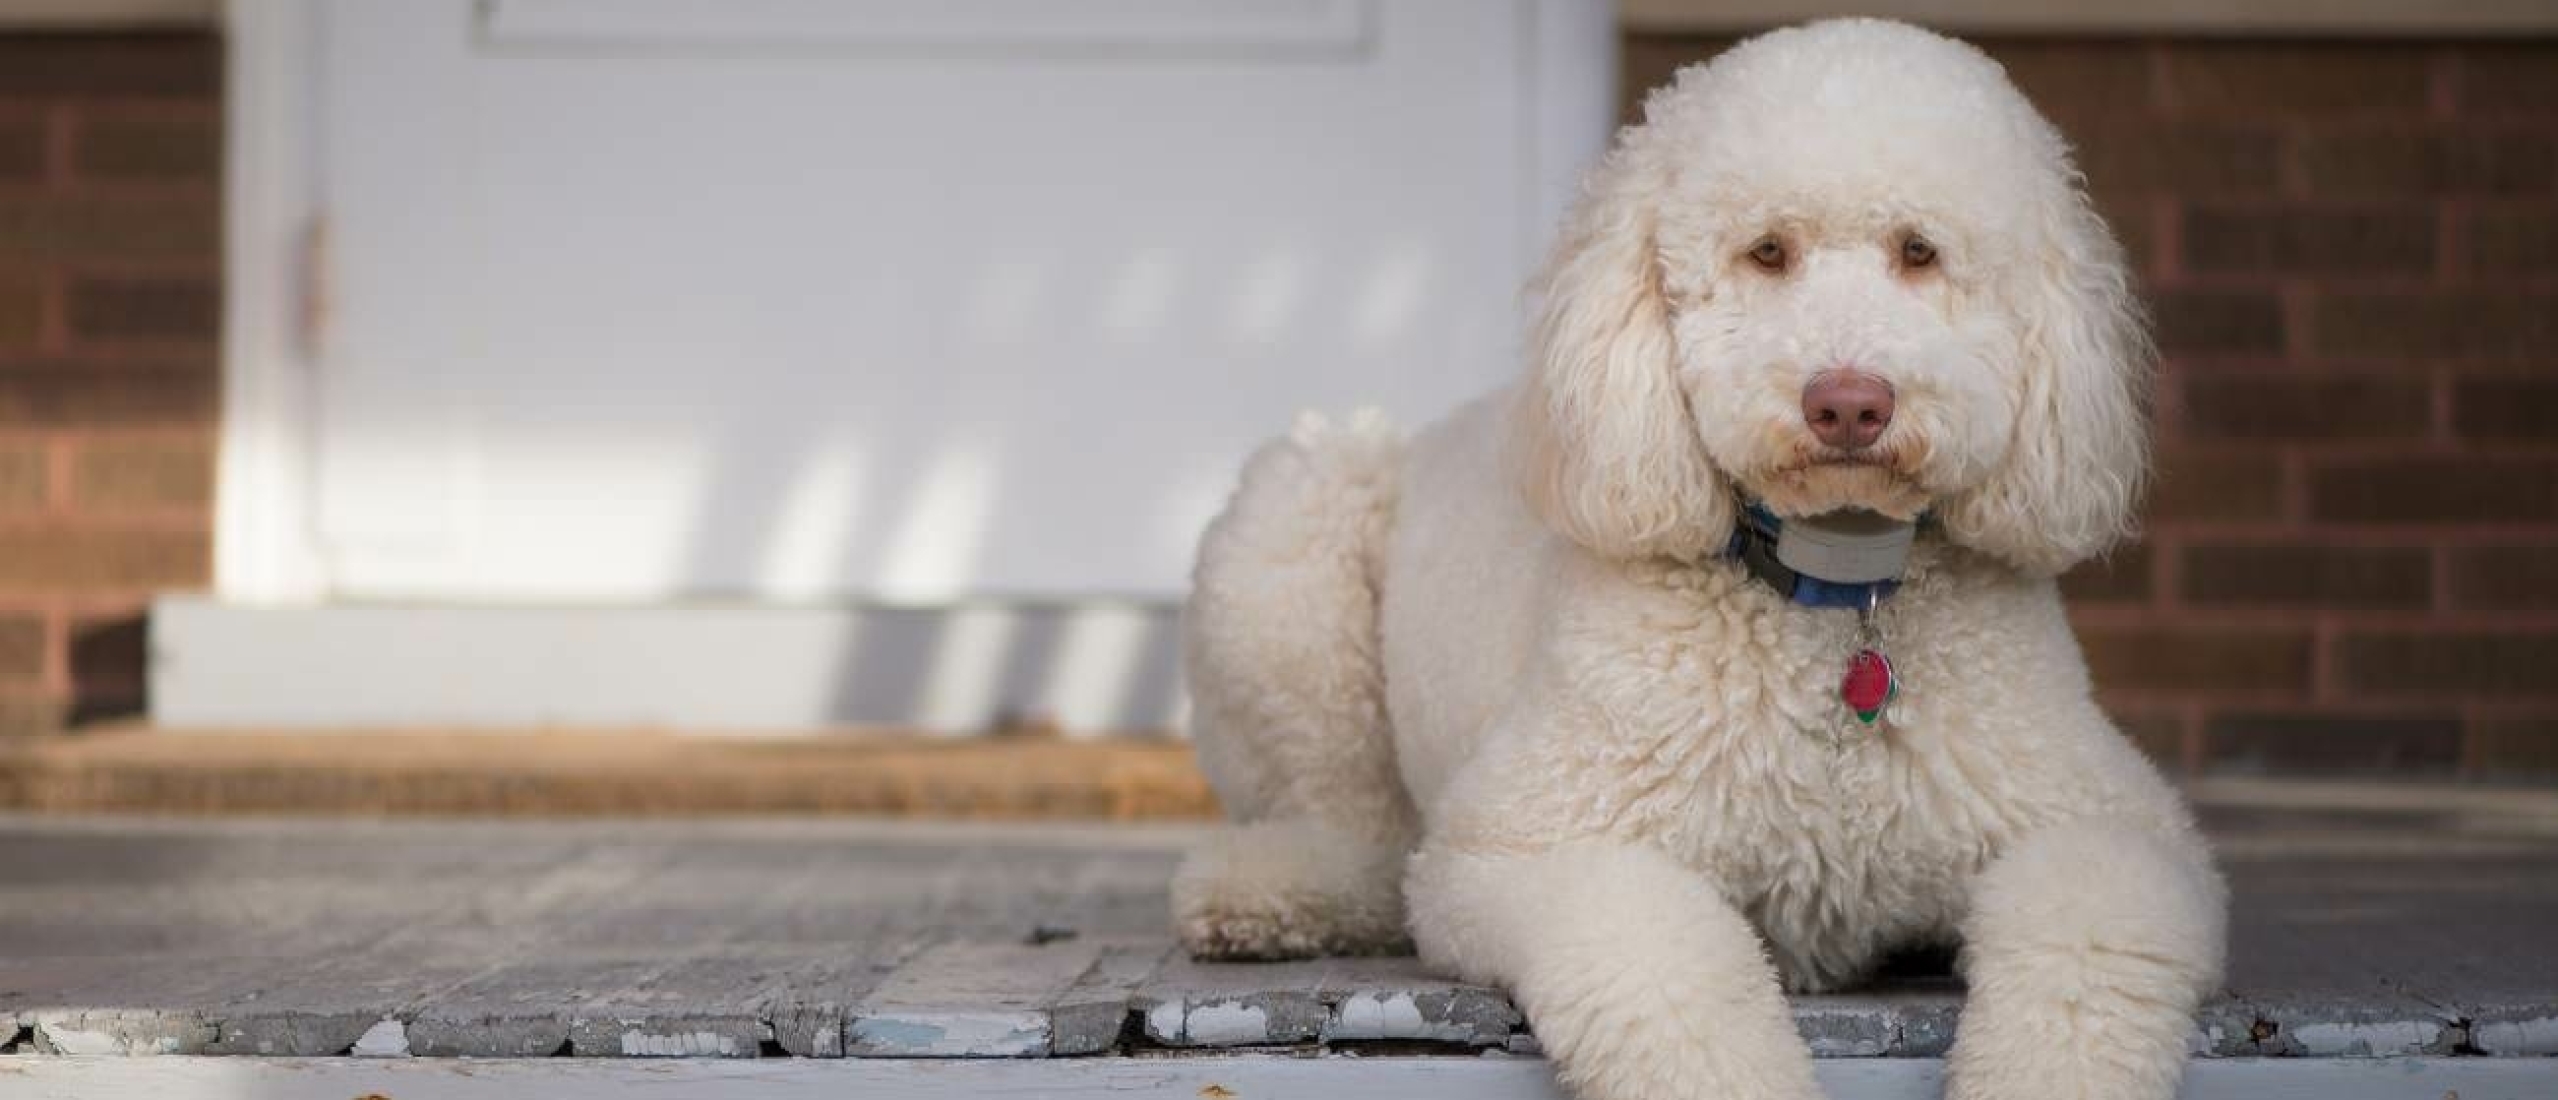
<point x="902" y="300"/>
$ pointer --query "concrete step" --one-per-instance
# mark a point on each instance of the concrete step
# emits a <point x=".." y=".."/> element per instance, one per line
<point x="599" y="773"/>
<point x="2356" y="934"/>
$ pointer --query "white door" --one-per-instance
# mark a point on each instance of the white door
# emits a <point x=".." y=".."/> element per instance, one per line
<point x="793" y="300"/>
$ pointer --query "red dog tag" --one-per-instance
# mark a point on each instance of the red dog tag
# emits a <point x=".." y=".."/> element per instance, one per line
<point x="1869" y="685"/>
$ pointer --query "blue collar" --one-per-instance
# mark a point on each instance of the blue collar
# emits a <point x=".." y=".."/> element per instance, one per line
<point x="1754" y="546"/>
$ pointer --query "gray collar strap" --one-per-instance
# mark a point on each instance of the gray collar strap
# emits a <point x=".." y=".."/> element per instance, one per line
<point x="1847" y="559"/>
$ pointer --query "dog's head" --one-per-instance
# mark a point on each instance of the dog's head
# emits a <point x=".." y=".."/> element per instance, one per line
<point x="1841" y="265"/>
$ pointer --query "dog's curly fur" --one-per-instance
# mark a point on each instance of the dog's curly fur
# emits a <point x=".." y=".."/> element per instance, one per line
<point x="1496" y="688"/>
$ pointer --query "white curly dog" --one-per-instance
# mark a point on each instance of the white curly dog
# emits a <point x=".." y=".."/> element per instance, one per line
<point x="1515" y="689"/>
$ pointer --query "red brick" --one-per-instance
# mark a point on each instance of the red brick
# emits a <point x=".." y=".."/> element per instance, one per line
<point x="2505" y="407"/>
<point x="22" y="647"/>
<point x="2198" y="658"/>
<point x="89" y="560"/>
<point x="24" y="478"/>
<point x="2505" y="577"/>
<point x="2121" y="577"/>
<point x="1650" y="60"/>
<point x="2513" y="241"/>
<point x="2515" y="77"/>
<point x="2159" y="734"/>
<point x="2294" y="743"/>
<point x="52" y="396"/>
<point x="2254" y="406"/>
<point x="145" y="309"/>
<point x="2182" y="156"/>
<point x="2307" y="577"/>
<point x="158" y="145"/>
<point x="116" y="474"/>
<point x="22" y="146"/>
<point x="2210" y="322"/>
<point x="2437" y="325"/>
<point x="23" y="717"/>
<point x="2514" y="748"/>
<point x="2435" y="490"/>
<point x="21" y="309"/>
<point x="2257" y="240"/>
<point x="2134" y="227"/>
<point x="2448" y="665"/>
<point x="2210" y="77"/>
<point x="2081" y="77"/>
<point x="2218" y="487"/>
<point x="2409" y="162"/>
<point x="94" y="227"/>
<point x="159" y="65"/>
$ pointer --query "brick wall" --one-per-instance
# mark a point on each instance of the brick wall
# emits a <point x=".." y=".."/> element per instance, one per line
<point x="109" y="261"/>
<point x="2351" y="557"/>
<point x="2352" y="553"/>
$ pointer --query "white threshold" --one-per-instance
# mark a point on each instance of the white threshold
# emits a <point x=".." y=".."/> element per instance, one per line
<point x="1335" y="1077"/>
<point x="1086" y="668"/>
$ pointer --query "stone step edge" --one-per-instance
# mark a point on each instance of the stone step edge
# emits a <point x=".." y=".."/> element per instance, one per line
<point x="1378" y="1020"/>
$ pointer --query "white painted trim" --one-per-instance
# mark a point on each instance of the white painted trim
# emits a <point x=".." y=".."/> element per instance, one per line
<point x="1335" y="1077"/>
<point x="1169" y="27"/>
<point x="263" y="541"/>
<point x="2343" y="18"/>
<point x="1092" y="667"/>
<point x="57" y="15"/>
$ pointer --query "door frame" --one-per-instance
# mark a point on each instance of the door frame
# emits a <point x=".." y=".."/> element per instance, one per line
<point x="265" y="542"/>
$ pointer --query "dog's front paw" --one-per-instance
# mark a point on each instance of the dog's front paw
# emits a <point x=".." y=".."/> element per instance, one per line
<point x="1288" y="891"/>
<point x="1232" y="928"/>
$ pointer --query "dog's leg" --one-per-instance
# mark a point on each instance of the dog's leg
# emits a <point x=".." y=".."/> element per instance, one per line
<point x="1640" y="979"/>
<point x="2088" y="947"/>
<point x="1288" y="707"/>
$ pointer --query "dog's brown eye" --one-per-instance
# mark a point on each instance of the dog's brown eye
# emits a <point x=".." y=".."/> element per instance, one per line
<point x="1769" y="254"/>
<point x="1916" y="252"/>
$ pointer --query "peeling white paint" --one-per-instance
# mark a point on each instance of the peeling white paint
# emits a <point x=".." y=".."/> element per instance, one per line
<point x="1222" y="1022"/>
<point x="1390" y="1016"/>
<point x="386" y="1039"/>
<point x="1377" y="1016"/>
<point x="72" y="1040"/>
<point x="1163" y="1022"/>
<point x="898" y="1037"/>
<point x="827" y="1043"/>
<point x="2366" y="1040"/>
<point x="2203" y="1040"/>
<point x="2533" y="1038"/>
<point x="687" y="1044"/>
<point x="122" y="1033"/>
<point x="953" y="1035"/>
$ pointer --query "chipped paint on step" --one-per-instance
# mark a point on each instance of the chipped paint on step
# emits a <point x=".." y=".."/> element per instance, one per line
<point x="688" y="1044"/>
<point x="2366" y="1040"/>
<point x="2531" y="1038"/>
<point x="951" y="1035"/>
<point x="386" y="1039"/>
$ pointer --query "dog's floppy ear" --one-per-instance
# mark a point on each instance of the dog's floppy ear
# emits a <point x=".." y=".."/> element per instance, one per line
<point x="1604" y="449"/>
<point x="2075" y="471"/>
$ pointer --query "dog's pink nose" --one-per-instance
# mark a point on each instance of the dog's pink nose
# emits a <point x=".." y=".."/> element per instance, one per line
<point x="1847" y="409"/>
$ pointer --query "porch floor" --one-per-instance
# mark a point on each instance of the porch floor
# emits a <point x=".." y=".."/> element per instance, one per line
<point x="2369" y="921"/>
